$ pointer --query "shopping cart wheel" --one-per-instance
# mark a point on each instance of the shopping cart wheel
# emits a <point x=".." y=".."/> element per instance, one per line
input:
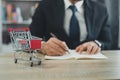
<point x="15" y="61"/>
<point x="31" y="64"/>
<point x="39" y="62"/>
<point x="30" y="58"/>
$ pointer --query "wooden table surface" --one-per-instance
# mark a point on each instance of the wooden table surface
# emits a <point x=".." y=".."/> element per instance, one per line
<point x="62" y="69"/>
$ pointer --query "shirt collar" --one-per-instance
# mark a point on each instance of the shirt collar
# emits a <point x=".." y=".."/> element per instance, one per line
<point x="78" y="4"/>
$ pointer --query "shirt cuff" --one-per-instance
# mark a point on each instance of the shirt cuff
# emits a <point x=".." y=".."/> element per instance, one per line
<point x="98" y="43"/>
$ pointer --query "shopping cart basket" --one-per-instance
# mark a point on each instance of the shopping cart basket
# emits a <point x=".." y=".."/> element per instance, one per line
<point x="23" y="42"/>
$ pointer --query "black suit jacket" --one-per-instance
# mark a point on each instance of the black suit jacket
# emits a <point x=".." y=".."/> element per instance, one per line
<point x="49" y="17"/>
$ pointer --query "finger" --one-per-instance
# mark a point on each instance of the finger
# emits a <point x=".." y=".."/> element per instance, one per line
<point x="60" y="43"/>
<point x="77" y="48"/>
<point x="99" y="49"/>
<point x="57" y="49"/>
<point x="80" y="48"/>
<point x="49" y="49"/>
<point x="94" y="49"/>
<point x="51" y="52"/>
<point x="89" y="49"/>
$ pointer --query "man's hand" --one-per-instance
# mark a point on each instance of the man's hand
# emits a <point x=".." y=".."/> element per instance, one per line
<point x="90" y="47"/>
<point x="54" y="47"/>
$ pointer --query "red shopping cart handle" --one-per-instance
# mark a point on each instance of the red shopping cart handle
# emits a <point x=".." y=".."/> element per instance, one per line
<point x="10" y="29"/>
<point x="18" y="29"/>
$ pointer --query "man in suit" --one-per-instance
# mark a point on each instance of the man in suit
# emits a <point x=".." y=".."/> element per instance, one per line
<point x="57" y="17"/>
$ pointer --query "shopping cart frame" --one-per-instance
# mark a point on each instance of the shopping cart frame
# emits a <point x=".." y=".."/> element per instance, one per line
<point x="24" y="42"/>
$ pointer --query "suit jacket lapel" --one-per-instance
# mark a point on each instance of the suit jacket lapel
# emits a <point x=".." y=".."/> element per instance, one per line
<point x="60" y="13"/>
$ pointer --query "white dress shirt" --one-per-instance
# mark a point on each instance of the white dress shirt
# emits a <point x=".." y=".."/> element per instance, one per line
<point x="79" y="15"/>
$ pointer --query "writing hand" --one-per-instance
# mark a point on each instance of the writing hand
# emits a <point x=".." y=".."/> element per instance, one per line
<point x="54" y="47"/>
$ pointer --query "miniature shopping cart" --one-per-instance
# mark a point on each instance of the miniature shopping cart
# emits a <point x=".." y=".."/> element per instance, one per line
<point x="24" y="42"/>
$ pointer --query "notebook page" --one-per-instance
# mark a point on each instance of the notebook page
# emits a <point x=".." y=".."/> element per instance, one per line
<point x="86" y="55"/>
<point x="66" y="56"/>
<point x="74" y="55"/>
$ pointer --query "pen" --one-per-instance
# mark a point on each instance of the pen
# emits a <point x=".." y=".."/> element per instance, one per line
<point x="53" y="35"/>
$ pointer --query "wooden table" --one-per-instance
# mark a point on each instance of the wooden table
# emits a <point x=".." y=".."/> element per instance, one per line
<point x="62" y="69"/>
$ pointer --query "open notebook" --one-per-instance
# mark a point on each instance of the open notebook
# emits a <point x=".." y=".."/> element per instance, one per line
<point x="74" y="55"/>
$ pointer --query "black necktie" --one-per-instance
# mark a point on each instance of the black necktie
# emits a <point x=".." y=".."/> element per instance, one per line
<point x="74" y="28"/>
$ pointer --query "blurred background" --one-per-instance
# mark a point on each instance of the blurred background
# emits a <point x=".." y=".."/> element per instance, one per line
<point x="17" y="13"/>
